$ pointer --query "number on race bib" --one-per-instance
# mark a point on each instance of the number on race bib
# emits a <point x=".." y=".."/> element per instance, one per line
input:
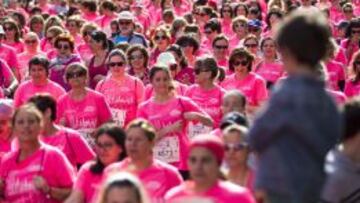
<point x="119" y="116"/>
<point x="197" y="129"/>
<point x="167" y="149"/>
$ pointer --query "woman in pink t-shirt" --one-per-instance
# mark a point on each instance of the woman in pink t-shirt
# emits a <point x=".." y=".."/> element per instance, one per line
<point x="351" y="43"/>
<point x="352" y="86"/>
<point x="84" y="49"/>
<point x="68" y="141"/>
<point x="270" y="68"/>
<point x="138" y="59"/>
<point x="161" y="39"/>
<point x="13" y="36"/>
<point x="250" y="84"/>
<point x="206" y="93"/>
<point x="206" y="184"/>
<point x="181" y="73"/>
<point x="73" y="25"/>
<point x="36" y="172"/>
<point x="236" y="156"/>
<point x="81" y="108"/>
<point x="240" y="29"/>
<point x="226" y="13"/>
<point x="110" y="148"/>
<point x="157" y="176"/>
<point x="122" y="92"/>
<point x="169" y="114"/>
<point x="251" y="43"/>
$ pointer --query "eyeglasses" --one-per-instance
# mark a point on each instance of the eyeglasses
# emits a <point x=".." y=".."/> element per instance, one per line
<point x="30" y="41"/>
<point x="124" y="22"/>
<point x="71" y="25"/>
<point x="105" y="146"/>
<point x="8" y="28"/>
<point x="135" y="57"/>
<point x="197" y="71"/>
<point x="221" y="47"/>
<point x="251" y="45"/>
<point x="227" y="11"/>
<point x="173" y="67"/>
<point x="63" y="47"/>
<point x="237" y="63"/>
<point x="235" y="147"/>
<point x="118" y="64"/>
<point x="76" y="74"/>
<point x="355" y="31"/>
<point x="158" y="37"/>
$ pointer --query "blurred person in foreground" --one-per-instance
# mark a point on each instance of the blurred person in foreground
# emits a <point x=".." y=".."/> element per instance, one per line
<point x="300" y="124"/>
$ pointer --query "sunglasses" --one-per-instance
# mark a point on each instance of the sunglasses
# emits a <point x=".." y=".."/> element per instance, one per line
<point x="63" y="47"/>
<point x="8" y="28"/>
<point x="159" y="37"/>
<point x="117" y="64"/>
<point x="221" y="47"/>
<point x="135" y="57"/>
<point x="207" y="32"/>
<point x="30" y="41"/>
<point x="355" y="31"/>
<point x="235" y="147"/>
<point x="227" y="11"/>
<point x="76" y="74"/>
<point x="173" y="67"/>
<point x="237" y="63"/>
<point x="251" y="45"/>
<point x="197" y="71"/>
<point x="124" y="22"/>
<point x="356" y="63"/>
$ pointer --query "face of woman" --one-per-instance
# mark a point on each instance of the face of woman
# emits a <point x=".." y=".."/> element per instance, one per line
<point x="240" y="66"/>
<point x="357" y="66"/>
<point x="38" y="73"/>
<point x="241" y="11"/>
<point x="188" y="49"/>
<point x="161" y="82"/>
<point x="227" y="12"/>
<point x="269" y="49"/>
<point x="355" y="33"/>
<point x="274" y="20"/>
<point x="117" y="66"/>
<point x="121" y="195"/>
<point x="63" y="48"/>
<point x="9" y="31"/>
<point x="95" y="45"/>
<point x="72" y="27"/>
<point x="137" y="60"/>
<point x="31" y="43"/>
<point x="236" y="152"/>
<point x="37" y="27"/>
<point x="76" y="78"/>
<point x="221" y="49"/>
<point x="27" y="126"/>
<point x="202" y="75"/>
<point x="203" y="166"/>
<point x="137" y="145"/>
<point x="161" y="40"/>
<point x="107" y="150"/>
<point x="240" y="28"/>
<point x="252" y="46"/>
<point x="230" y="104"/>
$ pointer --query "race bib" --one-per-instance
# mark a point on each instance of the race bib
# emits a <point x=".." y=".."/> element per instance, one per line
<point x="119" y="116"/>
<point x="167" y="149"/>
<point x="195" y="129"/>
<point x="86" y="133"/>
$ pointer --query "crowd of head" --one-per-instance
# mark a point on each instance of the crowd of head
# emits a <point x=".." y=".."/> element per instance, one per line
<point x="179" y="101"/>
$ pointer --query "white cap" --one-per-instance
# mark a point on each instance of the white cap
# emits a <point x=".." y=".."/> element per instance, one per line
<point x="2" y="30"/>
<point x="165" y="59"/>
<point x="126" y="15"/>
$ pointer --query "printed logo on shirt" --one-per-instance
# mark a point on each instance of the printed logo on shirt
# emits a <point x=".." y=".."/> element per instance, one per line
<point x="175" y="112"/>
<point x="89" y="109"/>
<point x="153" y="185"/>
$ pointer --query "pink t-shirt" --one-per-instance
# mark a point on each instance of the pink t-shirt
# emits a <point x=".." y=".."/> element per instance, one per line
<point x="338" y="96"/>
<point x="23" y="61"/>
<point x="5" y="146"/>
<point x="270" y="71"/>
<point x="8" y="54"/>
<point x="221" y="192"/>
<point x="88" y="183"/>
<point x="47" y="161"/>
<point x="173" y="147"/>
<point x="180" y="89"/>
<point x="158" y="178"/>
<point x="336" y="73"/>
<point x="104" y="23"/>
<point x="84" y="52"/>
<point x="90" y="16"/>
<point x="18" y="46"/>
<point x="85" y="115"/>
<point x="123" y="97"/>
<point x="209" y="100"/>
<point x="28" y="89"/>
<point x="252" y="86"/>
<point x="5" y="74"/>
<point x="352" y="88"/>
<point x="72" y="145"/>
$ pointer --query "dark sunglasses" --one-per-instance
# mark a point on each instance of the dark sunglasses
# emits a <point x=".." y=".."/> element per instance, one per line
<point x="348" y="11"/>
<point x="104" y="146"/>
<point x="237" y="25"/>
<point x="124" y="22"/>
<point x="235" y="147"/>
<point x="221" y="47"/>
<point x="76" y="74"/>
<point x="63" y="47"/>
<point x="237" y="63"/>
<point x="227" y="11"/>
<point x="197" y="71"/>
<point x="251" y="45"/>
<point x="207" y="32"/>
<point x="118" y="64"/>
<point x="8" y="28"/>
<point x="356" y="63"/>
<point x="158" y="37"/>
<point x="30" y="41"/>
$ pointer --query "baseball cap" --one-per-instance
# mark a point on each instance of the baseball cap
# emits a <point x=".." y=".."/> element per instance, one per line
<point x="233" y="118"/>
<point x="126" y="15"/>
<point x="165" y="59"/>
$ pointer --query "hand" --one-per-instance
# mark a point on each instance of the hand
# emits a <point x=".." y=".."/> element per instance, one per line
<point x="190" y="116"/>
<point x="175" y="127"/>
<point x="41" y="184"/>
<point x="97" y="78"/>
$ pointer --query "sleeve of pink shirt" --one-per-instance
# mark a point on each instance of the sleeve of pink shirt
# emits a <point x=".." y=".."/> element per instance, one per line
<point x="18" y="96"/>
<point x="13" y="59"/>
<point x="6" y="72"/>
<point x="60" y="118"/>
<point x="82" y="150"/>
<point x="140" y="91"/>
<point x="261" y="91"/>
<point x="104" y="109"/>
<point x="83" y="178"/>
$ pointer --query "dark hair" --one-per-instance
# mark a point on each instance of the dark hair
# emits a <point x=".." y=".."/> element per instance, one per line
<point x="40" y="60"/>
<point x="218" y="38"/>
<point x="90" y="4"/>
<point x="177" y="49"/>
<point x="208" y="62"/>
<point x="43" y="102"/>
<point x="226" y="5"/>
<point x="355" y="58"/>
<point x="145" y="126"/>
<point x="109" y="5"/>
<point x="354" y="23"/>
<point x="142" y="49"/>
<point x="240" y="53"/>
<point x="305" y="35"/>
<point x="117" y="52"/>
<point x="188" y="39"/>
<point x="20" y="17"/>
<point x="116" y="133"/>
<point x="213" y="24"/>
<point x="242" y="5"/>
<point x="65" y="37"/>
<point x="351" y="113"/>
<point x="276" y="12"/>
<point x="13" y="25"/>
<point x="262" y="43"/>
<point x="100" y="36"/>
<point x="156" y="69"/>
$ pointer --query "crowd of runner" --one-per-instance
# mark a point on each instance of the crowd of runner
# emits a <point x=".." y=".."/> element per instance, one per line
<point x="139" y="101"/>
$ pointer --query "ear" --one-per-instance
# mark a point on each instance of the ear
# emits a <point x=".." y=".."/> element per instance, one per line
<point x="47" y="113"/>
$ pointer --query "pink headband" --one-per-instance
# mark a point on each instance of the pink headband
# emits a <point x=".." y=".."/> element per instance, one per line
<point x="211" y="143"/>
